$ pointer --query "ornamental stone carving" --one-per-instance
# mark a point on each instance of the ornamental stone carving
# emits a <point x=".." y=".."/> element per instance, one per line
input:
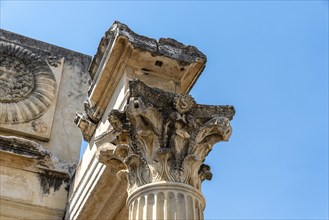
<point x="54" y="61"/>
<point x="85" y="124"/>
<point x="164" y="137"/>
<point x="39" y="126"/>
<point x="27" y="84"/>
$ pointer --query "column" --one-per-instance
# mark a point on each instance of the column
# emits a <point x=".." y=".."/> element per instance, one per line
<point x="162" y="139"/>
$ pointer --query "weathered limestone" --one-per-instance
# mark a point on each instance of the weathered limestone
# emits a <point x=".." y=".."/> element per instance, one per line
<point x="59" y="89"/>
<point x="149" y="135"/>
<point x="166" y="200"/>
<point x="28" y="91"/>
<point x="41" y="88"/>
<point x="124" y="55"/>
<point x="162" y="138"/>
<point x="33" y="182"/>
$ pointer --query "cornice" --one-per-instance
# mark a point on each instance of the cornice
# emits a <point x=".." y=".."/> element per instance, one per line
<point x="153" y="61"/>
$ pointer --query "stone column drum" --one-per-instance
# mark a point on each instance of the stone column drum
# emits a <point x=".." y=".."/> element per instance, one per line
<point x="161" y="140"/>
<point x="166" y="200"/>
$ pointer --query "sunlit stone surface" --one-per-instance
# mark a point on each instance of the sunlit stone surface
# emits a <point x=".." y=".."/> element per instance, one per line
<point x="147" y="137"/>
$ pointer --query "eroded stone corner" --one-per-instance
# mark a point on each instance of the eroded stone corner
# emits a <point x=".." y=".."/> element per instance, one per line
<point x="30" y="156"/>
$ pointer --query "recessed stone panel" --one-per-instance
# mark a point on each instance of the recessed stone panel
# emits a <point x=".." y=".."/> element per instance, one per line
<point x="29" y="86"/>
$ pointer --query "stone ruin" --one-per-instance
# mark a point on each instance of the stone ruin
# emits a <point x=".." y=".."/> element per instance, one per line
<point x="147" y="137"/>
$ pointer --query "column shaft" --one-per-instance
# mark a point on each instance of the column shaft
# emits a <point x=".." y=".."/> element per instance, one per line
<point x="166" y="200"/>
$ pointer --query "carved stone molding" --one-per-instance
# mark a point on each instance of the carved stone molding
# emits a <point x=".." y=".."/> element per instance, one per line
<point x="164" y="136"/>
<point x="123" y="54"/>
<point x="28" y="155"/>
<point x="86" y="126"/>
<point x="27" y="85"/>
<point x="54" y="61"/>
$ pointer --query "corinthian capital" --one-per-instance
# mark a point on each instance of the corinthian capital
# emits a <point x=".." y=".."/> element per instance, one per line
<point x="164" y="136"/>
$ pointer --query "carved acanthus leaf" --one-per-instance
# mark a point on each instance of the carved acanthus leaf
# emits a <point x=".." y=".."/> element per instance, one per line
<point x="163" y="136"/>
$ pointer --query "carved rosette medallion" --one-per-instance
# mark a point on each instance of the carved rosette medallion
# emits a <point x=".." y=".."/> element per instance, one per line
<point x="164" y="137"/>
<point x="27" y="85"/>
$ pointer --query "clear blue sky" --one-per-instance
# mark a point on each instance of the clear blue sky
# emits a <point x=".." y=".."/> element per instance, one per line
<point x="267" y="58"/>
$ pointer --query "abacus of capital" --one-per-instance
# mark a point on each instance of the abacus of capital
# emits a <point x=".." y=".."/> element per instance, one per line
<point x="147" y="137"/>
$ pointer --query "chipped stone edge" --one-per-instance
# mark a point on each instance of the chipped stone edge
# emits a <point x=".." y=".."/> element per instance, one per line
<point x="45" y="50"/>
<point x="29" y="149"/>
<point x="166" y="47"/>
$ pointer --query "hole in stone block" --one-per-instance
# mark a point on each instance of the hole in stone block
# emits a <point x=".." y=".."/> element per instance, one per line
<point x="158" y="63"/>
<point x="136" y="104"/>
